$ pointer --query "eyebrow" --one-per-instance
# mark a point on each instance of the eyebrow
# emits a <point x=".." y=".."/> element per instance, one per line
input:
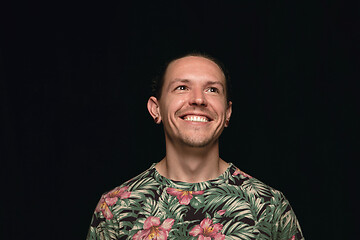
<point x="179" y="80"/>
<point x="187" y="81"/>
<point x="216" y="82"/>
<point x="176" y="80"/>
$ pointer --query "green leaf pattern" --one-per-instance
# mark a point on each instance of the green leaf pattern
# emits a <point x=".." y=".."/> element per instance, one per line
<point x="232" y="206"/>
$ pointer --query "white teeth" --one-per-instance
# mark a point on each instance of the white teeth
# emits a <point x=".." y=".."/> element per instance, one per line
<point x="196" y="119"/>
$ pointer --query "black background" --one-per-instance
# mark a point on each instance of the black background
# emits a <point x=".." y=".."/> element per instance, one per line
<point x="77" y="79"/>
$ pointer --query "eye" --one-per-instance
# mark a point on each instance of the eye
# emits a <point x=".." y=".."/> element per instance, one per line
<point x="182" y="88"/>
<point x="213" y="90"/>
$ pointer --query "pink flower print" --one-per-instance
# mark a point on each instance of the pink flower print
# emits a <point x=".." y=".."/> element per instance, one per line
<point x="112" y="197"/>
<point x="238" y="171"/>
<point x="207" y="231"/>
<point x="292" y="238"/>
<point x="221" y="212"/>
<point x="104" y="208"/>
<point x="183" y="196"/>
<point x="153" y="229"/>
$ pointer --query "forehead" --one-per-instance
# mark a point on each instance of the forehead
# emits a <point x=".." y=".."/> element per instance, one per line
<point x="193" y="68"/>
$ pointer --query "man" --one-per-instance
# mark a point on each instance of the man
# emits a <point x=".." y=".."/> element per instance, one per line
<point x="192" y="193"/>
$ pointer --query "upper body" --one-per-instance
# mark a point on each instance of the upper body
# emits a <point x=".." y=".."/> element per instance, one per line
<point x="192" y="193"/>
<point x="231" y="206"/>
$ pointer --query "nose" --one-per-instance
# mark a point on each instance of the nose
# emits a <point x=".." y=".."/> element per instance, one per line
<point x="198" y="98"/>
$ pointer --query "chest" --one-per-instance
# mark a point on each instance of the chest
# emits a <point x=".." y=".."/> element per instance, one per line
<point x="180" y="214"/>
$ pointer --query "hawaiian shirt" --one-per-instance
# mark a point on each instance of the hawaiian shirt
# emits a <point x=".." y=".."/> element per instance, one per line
<point x="232" y="206"/>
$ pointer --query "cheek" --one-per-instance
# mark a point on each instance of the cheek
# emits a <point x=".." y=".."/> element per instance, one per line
<point x="167" y="111"/>
<point x="219" y="107"/>
<point x="173" y="106"/>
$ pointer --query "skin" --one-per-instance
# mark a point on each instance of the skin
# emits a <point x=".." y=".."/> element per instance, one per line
<point x="193" y="86"/>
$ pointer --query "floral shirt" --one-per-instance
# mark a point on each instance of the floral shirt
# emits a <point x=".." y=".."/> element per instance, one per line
<point x="232" y="206"/>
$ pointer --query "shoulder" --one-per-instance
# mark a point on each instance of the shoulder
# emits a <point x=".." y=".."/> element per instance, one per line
<point x="120" y="196"/>
<point x="269" y="204"/>
<point x="253" y="187"/>
<point x="141" y="180"/>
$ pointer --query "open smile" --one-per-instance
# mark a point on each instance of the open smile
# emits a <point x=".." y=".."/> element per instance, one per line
<point x="195" y="118"/>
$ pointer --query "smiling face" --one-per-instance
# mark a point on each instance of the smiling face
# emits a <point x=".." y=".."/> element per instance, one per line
<point x="193" y="106"/>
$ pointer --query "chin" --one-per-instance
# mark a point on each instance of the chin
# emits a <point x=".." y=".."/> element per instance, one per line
<point x="197" y="143"/>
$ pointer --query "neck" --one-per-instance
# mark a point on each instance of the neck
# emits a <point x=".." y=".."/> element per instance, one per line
<point x="192" y="164"/>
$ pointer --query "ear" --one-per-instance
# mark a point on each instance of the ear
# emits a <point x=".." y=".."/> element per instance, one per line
<point x="154" y="109"/>
<point x="228" y="113"/>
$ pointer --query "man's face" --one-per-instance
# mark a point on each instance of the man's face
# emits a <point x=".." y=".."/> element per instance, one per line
<point x="193" y="105"/>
